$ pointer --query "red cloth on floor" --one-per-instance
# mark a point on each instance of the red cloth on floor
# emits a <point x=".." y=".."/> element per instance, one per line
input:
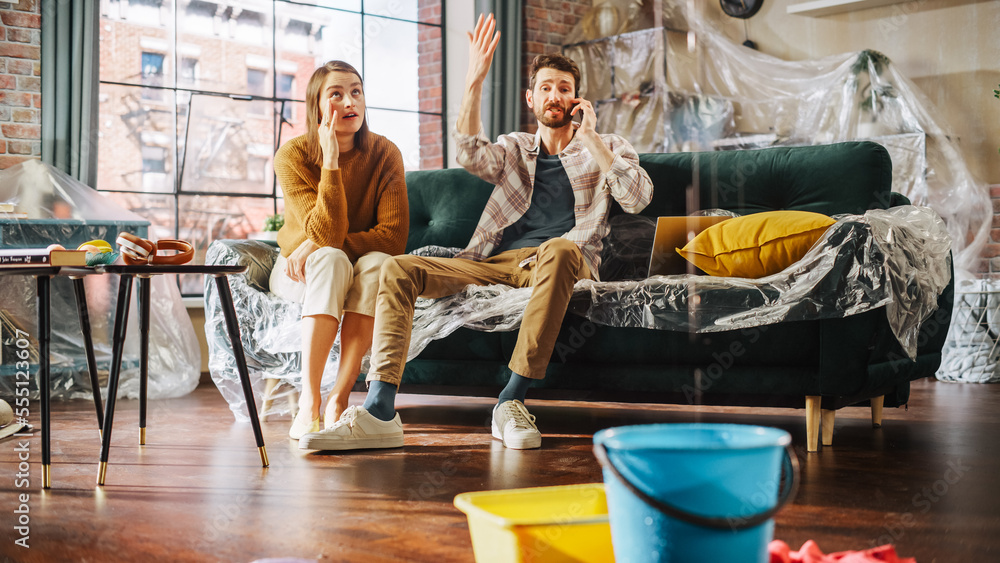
<point x="810" y="553"/>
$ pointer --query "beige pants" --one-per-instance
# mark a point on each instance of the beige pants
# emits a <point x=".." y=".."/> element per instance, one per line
<point x="333" y="285"/>
<point x="558" y="265"/>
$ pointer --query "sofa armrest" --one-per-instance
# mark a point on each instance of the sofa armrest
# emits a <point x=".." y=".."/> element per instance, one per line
<point x="257" y="256"/>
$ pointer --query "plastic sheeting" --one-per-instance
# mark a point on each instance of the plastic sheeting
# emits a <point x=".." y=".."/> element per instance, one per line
<point x="897" y="259"/>
<point x="51" y="207"/>
<point x="694" y="89"/>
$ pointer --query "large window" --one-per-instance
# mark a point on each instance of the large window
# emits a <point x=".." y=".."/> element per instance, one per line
<point x="197" y="95"/>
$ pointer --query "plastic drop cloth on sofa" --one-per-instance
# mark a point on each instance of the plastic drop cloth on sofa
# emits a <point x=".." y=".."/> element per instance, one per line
<point x="896" y="258"/>
<point x="52" y="207"/>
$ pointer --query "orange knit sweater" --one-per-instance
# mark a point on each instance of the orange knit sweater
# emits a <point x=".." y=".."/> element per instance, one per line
<point x="359" y="208"/>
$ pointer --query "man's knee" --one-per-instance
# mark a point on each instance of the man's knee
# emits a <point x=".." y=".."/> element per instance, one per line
<point x="560" y="252"/>
<point x="395" y="268"/>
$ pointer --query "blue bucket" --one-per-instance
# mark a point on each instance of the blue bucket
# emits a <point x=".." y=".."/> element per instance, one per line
<point x="694" y="492"/>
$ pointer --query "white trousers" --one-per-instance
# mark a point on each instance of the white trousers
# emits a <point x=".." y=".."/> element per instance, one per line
<point x="333" y="285"/>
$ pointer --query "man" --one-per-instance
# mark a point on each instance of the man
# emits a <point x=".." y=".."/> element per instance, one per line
<point x="542" y="228"/>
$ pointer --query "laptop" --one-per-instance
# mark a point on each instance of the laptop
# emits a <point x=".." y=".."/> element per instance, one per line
<point x="673" y="233"/>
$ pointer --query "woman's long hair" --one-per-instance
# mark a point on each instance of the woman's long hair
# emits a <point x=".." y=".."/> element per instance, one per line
<point x="313" y="93"/>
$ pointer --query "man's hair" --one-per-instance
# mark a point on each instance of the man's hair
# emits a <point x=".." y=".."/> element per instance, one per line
<point x="313" y="112"/>
<point x="557" y="62"/>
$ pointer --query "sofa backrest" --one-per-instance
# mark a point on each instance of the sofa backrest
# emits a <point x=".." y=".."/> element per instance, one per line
<point x="830" y="179"/>
<point x="445" y="205"/>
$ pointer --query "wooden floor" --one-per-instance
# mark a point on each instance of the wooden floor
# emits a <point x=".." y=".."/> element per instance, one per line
<point x="928" y="481"/>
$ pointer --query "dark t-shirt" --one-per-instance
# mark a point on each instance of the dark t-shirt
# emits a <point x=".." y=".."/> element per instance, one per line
<point x="550" y="213"/>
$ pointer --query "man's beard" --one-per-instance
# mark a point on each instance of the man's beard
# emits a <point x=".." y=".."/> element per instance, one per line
<point x="552" y="122"/>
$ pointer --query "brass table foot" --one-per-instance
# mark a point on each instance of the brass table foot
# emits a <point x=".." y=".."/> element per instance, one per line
<point x="142" y="436"/>
<point x="263" y="456"/>
<point x="102" y="472"/>
<point x="46" y="476"/>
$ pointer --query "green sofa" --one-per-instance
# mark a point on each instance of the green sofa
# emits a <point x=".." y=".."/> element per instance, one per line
<point x="819" y="365"/>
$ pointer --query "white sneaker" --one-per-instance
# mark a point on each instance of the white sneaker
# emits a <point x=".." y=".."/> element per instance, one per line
<point x="357" y="429"/>
<point x="302" y="426"/>
<point x="515" y="426"/>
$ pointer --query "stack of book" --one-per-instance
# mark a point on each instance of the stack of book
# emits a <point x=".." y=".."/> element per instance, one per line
<point x="10" y="257"/>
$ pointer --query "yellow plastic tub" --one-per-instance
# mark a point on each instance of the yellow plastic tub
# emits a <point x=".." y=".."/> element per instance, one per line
<point x="544" y="524"/>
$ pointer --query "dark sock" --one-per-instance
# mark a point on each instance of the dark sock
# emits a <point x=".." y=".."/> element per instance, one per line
<point x="517" y="388"/>
<point x="381" y="400"/>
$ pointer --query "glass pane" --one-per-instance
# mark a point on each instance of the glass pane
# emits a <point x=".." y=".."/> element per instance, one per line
<point x="203" y="219"/>
<point x="352" y="5"/>
<point x="307" y="37"/>
<point x="230" y="144"/>
<point x="400" y="9"/>
<point x="390" y="64"/>
<point x="222" y="50"/>
<point x="158" y="209"/>
<point x="133" y="34"/>
<point x="135" y="140"/>
<point x="402" y="128"/>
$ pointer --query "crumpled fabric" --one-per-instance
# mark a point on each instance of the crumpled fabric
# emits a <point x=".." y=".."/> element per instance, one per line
<point x="811" y="553"/>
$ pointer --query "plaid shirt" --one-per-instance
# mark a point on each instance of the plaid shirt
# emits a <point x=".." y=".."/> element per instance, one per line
<point x="510" y="164"/>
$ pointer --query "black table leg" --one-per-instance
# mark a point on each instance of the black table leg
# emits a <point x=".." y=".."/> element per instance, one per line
<point x="88" y="345"/>
<point x="233" y="326"/>
<point x="42" y="292"/>
<point x="121" y="324"/>
<point x="143" y="354"/>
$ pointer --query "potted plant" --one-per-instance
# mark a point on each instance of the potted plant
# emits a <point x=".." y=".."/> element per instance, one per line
<point x="875" y="94"/>
<point x="272" y="225"/>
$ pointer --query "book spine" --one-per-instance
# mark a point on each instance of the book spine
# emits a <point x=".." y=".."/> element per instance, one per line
<point x="39" y="259"/>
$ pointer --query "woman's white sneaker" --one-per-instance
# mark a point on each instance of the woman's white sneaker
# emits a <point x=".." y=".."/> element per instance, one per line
<point x="515" y="426"/>
<point x="357" y="429"/>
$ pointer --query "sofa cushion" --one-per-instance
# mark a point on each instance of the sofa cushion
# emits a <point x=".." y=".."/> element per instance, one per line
<point x="445" y="206"/>
<point x="757" y="245"/>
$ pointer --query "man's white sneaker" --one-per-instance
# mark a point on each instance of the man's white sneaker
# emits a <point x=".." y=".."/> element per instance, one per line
<point x="515" y="426"/>
<point x="357" y="429"/>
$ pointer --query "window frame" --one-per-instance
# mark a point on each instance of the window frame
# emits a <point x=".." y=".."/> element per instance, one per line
<point x="284" y="104"/>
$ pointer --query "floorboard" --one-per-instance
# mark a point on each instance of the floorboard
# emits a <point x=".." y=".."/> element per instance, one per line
<point x="927" y="481"/>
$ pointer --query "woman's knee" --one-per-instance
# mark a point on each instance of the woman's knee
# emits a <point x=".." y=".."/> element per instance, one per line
<point x="327" y="257"/>
<point x="370" y="264"/>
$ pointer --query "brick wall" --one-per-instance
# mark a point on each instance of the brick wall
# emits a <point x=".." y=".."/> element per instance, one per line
<point x="546" y="23"/>
<point x="20" y="82"/>
<point x="990" y="264"/>
<point x="431" y="85"/>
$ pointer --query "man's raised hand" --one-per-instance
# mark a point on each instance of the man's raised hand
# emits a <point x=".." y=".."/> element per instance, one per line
<point x="482" y="44"/>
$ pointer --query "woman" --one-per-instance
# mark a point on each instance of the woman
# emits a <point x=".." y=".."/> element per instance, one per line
<point x="345" y="212"/>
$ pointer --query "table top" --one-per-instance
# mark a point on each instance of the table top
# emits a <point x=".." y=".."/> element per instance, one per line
<point x="122" y="269"/>
<point x="211" y="269"/>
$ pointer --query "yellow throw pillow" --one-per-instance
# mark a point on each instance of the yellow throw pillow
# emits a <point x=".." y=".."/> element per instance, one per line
<point x="757" y="245"/>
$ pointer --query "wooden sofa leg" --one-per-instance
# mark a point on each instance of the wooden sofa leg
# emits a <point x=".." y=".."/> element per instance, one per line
<point x="812" y="422"/>
<point x="827" y="426"/>
<point x="877" y="411"/>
